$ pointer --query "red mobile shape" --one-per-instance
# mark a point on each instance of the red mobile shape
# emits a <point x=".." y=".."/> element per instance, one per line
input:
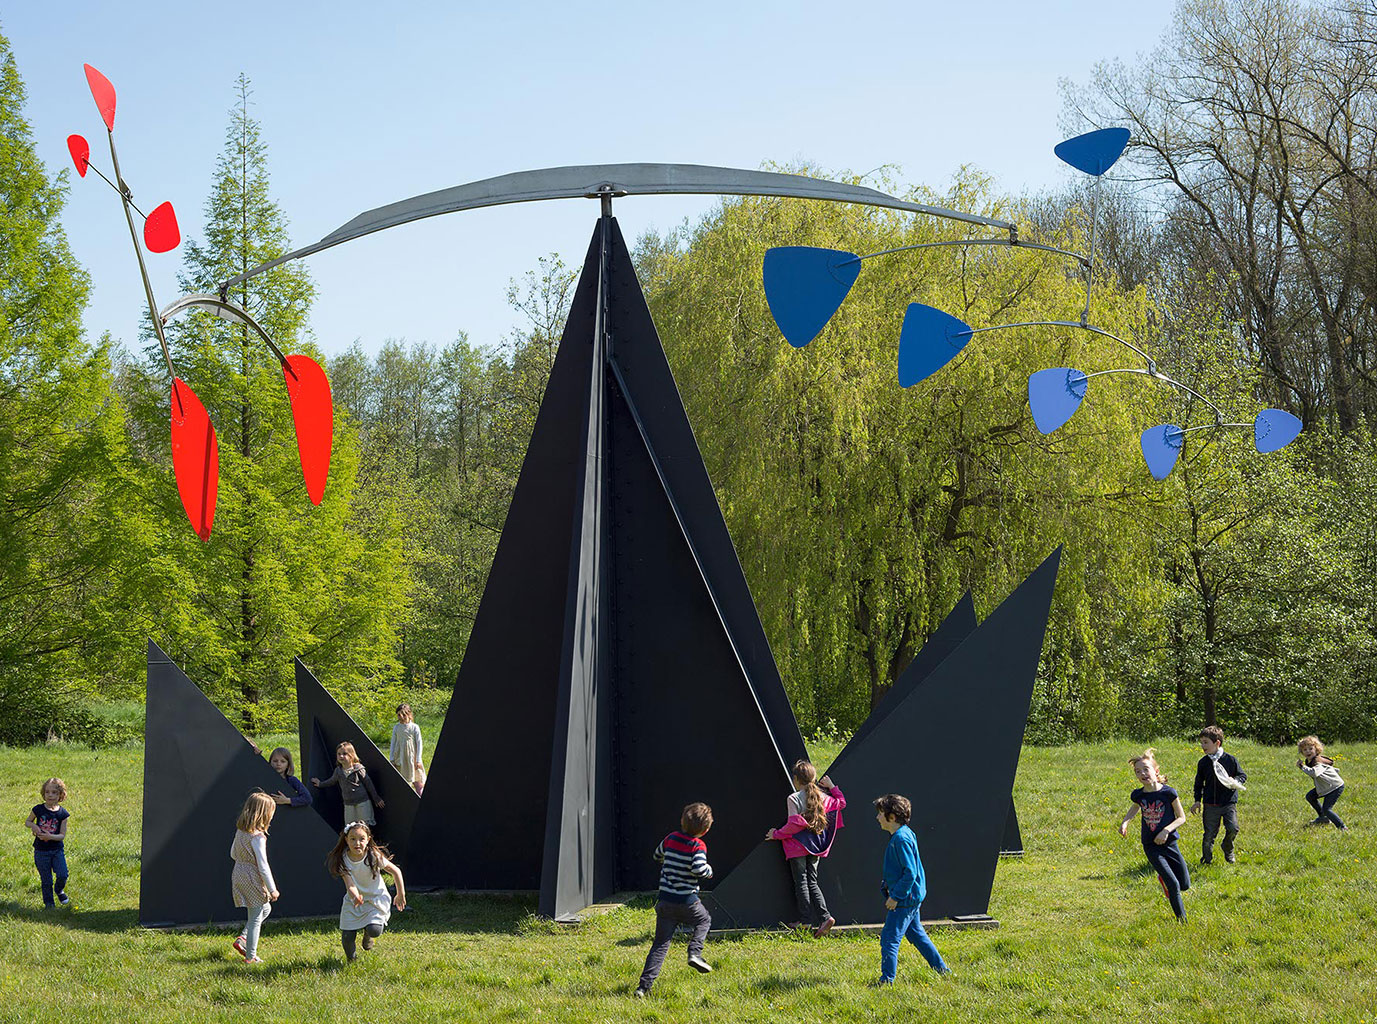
<point x="195" y="458"/>
<point x="160" y="231"/>
<point x="104" y="95"/>
<point x="314" y="416"/>
<point x="81" y="153"/>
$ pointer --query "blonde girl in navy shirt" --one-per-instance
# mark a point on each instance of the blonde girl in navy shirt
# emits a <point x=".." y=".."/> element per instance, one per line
<point x="1162" y="814"/>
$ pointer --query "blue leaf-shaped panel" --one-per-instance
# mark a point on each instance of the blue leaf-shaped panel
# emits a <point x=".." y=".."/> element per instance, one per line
<point x="1055" y="395"/>
<point x="928" y="341"/>
<point x="1274" y="429"/>
<point x="805" y="286"/>
<point x="1161" y="448"/>
<point x="1094" y="152"/>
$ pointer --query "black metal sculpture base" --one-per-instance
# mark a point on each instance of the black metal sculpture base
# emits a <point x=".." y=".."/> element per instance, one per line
<point x="979" y="692"/>
<point x="198" y="770"/>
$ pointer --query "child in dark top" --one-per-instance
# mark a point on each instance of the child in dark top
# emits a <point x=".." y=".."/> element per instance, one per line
<point x="1329" y="784"/>
<point x="48" y="823"/>
<point x="684" y="862"/>
<point x="280" y="760"/>
<point x="904" y="888"/>
<point x="1218" y="781"/>
<point x="354" y="786"/>
<point x="806" y="836"/>
<point x="1162" y="816"/>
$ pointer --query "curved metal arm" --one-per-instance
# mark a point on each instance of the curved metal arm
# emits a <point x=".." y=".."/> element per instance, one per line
<point x="603" y="181"/>
<point x="1151" y="365"/>
<point x="1155" y="374"/>
<point x="225" y="311"/>
<point x="1012" y="243"/>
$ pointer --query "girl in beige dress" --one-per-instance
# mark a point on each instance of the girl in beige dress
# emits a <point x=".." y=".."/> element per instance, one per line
<point x="252" y="882"/>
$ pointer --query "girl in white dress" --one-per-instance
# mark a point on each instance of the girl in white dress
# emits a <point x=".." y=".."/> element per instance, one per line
<point x="359" y="861"/>
<point x="405" y="749"/>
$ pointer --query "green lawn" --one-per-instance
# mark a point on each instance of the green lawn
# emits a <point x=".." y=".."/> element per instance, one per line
<point x="1287" y="934"/>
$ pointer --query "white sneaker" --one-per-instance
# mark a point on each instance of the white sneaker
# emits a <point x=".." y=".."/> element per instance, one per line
<point x="700" y="965"/>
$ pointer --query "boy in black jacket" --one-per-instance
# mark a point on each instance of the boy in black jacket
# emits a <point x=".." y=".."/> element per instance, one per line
<point x="1218" y="781"/>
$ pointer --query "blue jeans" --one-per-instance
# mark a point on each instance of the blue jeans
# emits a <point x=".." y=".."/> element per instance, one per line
<point x="1323" y="811"/>
<point x="904" y="923"/>
<point x="50" y="863"/>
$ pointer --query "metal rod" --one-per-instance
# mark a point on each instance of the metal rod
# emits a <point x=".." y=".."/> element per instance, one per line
<point x="143" y="270"/>
<point x="1090" y="266"/>
<point x="1152" y="366"/>
<point x="225" y="311"/>
<point x="971" y="241"/>
<point x="92" y="167"/>
<point x="1173" y="382"/>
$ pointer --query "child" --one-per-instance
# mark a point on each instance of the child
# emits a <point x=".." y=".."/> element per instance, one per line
<point x="684" y="859"/>
<point x="904" y="888"/>
<point x="1329" y="786"/>
<point x="280" y="760"/>
<point x="1154" y="799"/>
<point x="352" y="779"/>
<point x="1218" y="781"/>
<point x="360" y="862"/>
<point x="405" y="749"/>
<point x="252" y="880"/>
<point x="48" y="823"/>
<point x="813" y="820"/>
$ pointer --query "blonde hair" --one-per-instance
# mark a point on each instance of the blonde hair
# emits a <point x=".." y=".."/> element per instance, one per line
<point x="814" y="809"/>
<point x="54" y="781"/>
<point x="257" y="814"/>
<point x="1316" y="749"/>
<point x="1150" y="756"/>
<point x="348" y="747"/>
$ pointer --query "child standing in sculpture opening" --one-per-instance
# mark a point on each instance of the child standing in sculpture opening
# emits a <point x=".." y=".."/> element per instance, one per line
<point x="1162" y="816"/>
<point x="813" y="821"/>
<point x="405" y="749"/>
<point x="684" y="859"/>
<point x="360" y="862"/>
<point x="354" y="786"/>
<point x="1329" y="786"/>
<point x="280" y="760"/>
<point x="252" y="879"/>
<point x="1218" y="781"/>
<point x="904" y="889"/>
<point x="48" y="823"/>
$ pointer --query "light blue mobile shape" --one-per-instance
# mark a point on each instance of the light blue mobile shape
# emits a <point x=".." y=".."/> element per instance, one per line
<point x="1161" y="448"/>
<point x="1094" y="152"/>
<point x="805" y="286"/>
<point x="1054" y="396"/>
<point x="928" y="341"/>
<point x="1274" y="429"/>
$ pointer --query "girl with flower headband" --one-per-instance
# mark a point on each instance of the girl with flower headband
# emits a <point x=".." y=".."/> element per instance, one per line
<point x="359" y="861"/>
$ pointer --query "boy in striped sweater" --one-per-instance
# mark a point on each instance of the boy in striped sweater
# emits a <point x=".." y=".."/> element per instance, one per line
<point x="684" y="862"/>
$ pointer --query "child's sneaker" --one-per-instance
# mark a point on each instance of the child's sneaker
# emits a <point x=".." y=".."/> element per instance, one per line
<point x="824" y="928"/>
<point x="640" y="993"/>
<point x="239" y="945"/>
<point x="253" y="960"/>
<point x="700" y="965"/>
<point x="63" y="899"/>
<point x="368" y="941"/>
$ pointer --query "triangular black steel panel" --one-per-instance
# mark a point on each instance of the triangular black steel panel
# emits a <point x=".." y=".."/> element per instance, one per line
<point x="490" y="774"/>
<point x="198" y="770"/>
<point x="960" y="801"/>
<point x="1013" y="838"/>
<point x="322" y="725"/>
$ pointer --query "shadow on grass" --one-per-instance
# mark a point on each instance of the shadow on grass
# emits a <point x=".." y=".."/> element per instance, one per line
<point x="782" y="984"/>
<point x="66" y="917"/>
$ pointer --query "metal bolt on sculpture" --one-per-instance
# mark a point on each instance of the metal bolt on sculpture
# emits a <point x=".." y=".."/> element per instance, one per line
<point x="805" y="286"/>
<point x="195" y="453"/>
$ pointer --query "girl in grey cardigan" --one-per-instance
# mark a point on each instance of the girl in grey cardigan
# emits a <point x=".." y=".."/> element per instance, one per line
<point x="354" y="786"/>
<point x="1329" y="786"/>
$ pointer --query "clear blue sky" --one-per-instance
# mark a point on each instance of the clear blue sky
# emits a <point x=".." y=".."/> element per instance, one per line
<point x="362" y="105"/>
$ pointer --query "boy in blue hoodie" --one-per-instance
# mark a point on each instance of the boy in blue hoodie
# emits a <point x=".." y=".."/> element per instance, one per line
<point x="904" y="889"/>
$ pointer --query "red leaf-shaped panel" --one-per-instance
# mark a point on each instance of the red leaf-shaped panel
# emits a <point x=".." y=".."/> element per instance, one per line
<point x="81" y="153"/>
<point x="314" y="416"/>
<point x="195" y="458"/>
<point x="104" y="95"/>
<point x="160" y="231"/>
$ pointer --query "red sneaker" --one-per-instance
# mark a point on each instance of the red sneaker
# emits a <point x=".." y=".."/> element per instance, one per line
<point x="239" y="945"/>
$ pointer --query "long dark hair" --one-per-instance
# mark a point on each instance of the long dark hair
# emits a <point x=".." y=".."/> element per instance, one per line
<point x="373" y="856"/>
<point x="814" y="809"/>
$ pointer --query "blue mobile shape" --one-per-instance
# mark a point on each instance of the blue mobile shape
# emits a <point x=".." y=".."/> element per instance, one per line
<point x="1161" y="448"/>
<point x="929" y="340"/>
<point x="1094" y="152"/>
<point x="804" y="286"/>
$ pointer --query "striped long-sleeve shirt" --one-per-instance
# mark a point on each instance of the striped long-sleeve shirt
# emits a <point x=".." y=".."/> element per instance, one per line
<point x="684" y="862"/>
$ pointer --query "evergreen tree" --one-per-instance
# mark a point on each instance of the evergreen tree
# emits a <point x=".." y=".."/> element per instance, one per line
<point x="279" y="577"/>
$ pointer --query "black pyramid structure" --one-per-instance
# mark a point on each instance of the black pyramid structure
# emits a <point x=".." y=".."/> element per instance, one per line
<point x="198" y="769"/>
<point x="617" y="668"/>
<point x="322" y="725"/>
<point x="961" y="796"/>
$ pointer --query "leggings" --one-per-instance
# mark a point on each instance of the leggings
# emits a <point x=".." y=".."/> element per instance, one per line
<point x="1322" y="811"/>
<point x="257" y="915"/>
<point x="347" y="938"/>
<point x="812" y="908"/>
<point x="1171" y="872"/>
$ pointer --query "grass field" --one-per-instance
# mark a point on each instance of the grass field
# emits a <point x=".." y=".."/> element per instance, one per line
<point x="1289" y="934"/>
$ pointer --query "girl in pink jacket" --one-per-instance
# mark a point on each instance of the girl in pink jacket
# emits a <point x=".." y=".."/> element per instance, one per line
<point x="814" y="816"/>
